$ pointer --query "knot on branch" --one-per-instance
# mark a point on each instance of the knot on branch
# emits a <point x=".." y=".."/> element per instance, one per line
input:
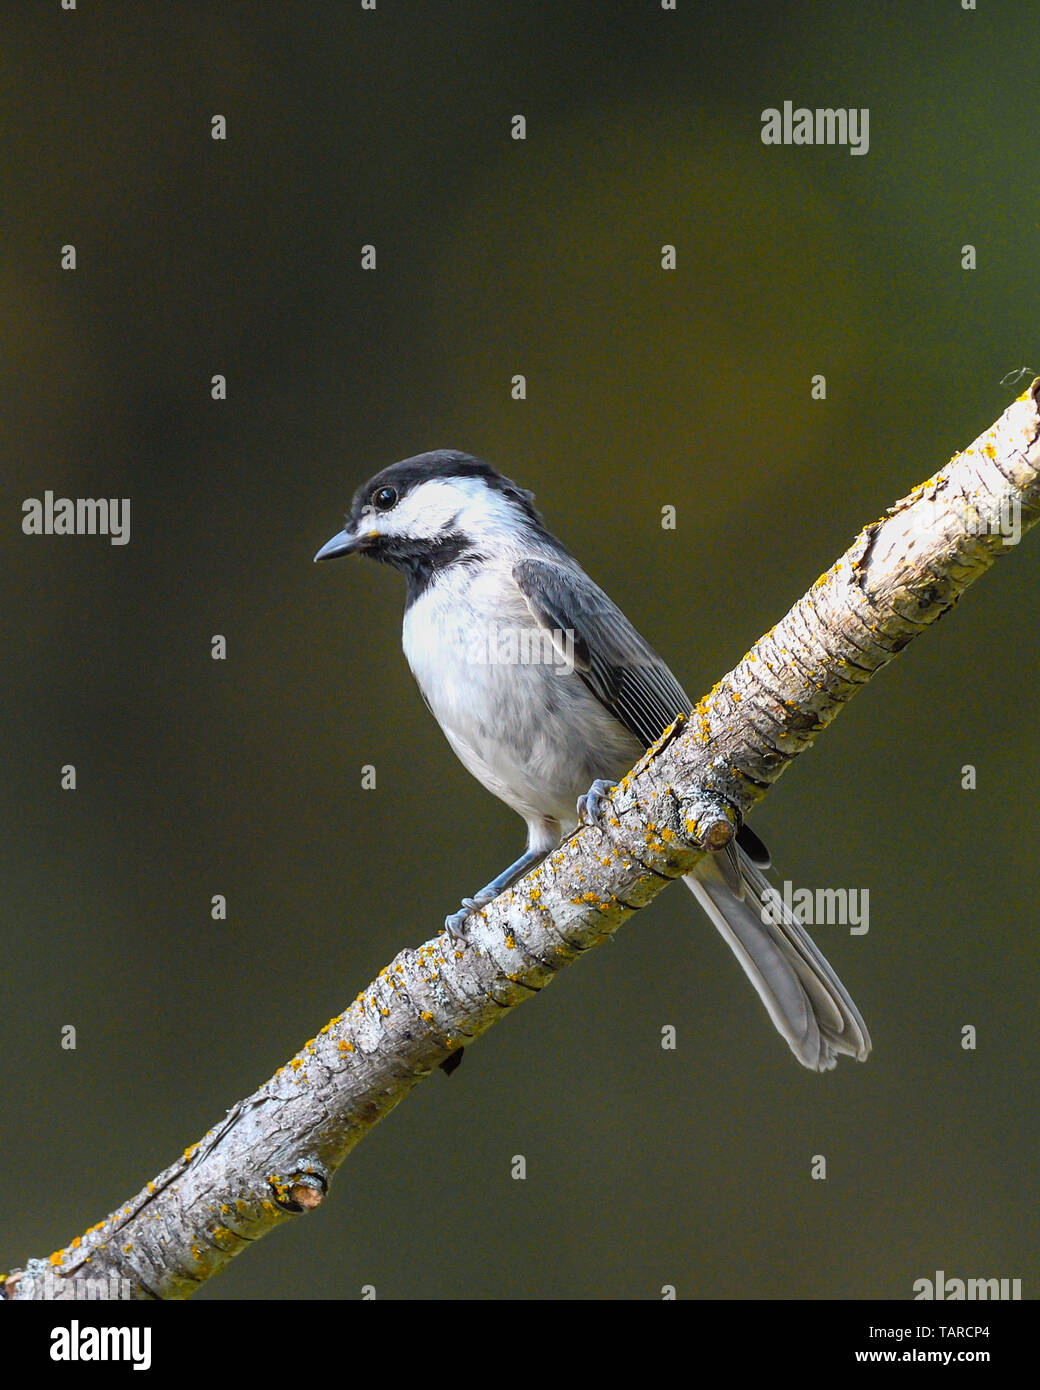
<point x="302" y="1190"/>
<point x="710" y="822"/>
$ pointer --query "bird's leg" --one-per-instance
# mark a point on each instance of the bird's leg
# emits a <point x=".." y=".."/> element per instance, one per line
<point x="592" y="805"/>
<point x="527" y="861"/>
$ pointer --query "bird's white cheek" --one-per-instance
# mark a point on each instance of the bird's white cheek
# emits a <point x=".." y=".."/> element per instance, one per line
<point x="413" y="524"/>
<point x="388" y="527"/>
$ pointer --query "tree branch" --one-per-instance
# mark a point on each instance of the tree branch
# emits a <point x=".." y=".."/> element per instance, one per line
<point x="276" y="1152"/>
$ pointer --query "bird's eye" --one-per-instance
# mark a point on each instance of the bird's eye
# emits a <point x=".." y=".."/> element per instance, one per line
<point x="384" y="498"/>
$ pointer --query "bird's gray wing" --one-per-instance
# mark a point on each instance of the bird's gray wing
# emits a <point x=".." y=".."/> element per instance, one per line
<point x="622" y="670"/>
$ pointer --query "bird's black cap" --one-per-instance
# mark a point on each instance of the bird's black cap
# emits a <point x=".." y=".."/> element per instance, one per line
<point x="442" y="463"/>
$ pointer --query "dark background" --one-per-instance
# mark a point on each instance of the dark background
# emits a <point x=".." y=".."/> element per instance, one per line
<point x="644" y="388"/>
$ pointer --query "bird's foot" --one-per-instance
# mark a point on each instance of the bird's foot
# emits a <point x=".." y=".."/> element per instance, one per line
<point x="593" y="804"/>
<point x="455" y="922"/>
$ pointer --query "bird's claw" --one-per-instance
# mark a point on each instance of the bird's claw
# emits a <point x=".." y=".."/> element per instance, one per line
<point x="455" y="922"/>
<point x="593" y="804"/>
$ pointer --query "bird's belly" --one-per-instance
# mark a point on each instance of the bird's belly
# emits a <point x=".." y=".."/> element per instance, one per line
<point x="530" y="731"/>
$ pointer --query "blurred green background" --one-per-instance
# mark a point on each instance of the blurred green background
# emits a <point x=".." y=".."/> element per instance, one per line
<point x="644" y="388"/>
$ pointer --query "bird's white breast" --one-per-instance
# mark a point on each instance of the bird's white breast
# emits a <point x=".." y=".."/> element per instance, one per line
<point x="529" y="730"/>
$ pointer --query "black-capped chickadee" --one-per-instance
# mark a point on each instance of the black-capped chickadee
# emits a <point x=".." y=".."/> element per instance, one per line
<point x="548" y="695"/>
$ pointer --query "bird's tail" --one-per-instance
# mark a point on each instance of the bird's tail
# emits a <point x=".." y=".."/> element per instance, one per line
<point x="806" y="1001"/>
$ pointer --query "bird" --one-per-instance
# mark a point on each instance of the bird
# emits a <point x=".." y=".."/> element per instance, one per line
<point x="548" y="695"/>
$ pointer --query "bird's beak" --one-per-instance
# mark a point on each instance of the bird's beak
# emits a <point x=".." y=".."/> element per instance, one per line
<point x="345" y="543"/>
